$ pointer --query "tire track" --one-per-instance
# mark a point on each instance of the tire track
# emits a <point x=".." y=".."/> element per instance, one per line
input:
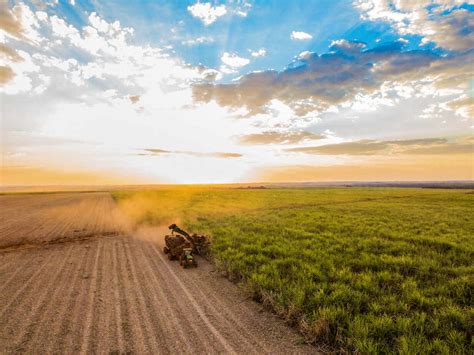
<point x="177" y="310"/>
<point x="225" y="314"/>
<point x="228" y="348"/>
<point x="170" y="310"/>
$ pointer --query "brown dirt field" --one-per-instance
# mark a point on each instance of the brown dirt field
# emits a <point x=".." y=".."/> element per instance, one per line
<point x="74" y="278"/>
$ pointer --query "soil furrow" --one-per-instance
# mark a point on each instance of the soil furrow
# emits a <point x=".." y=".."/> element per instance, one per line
<point x="154" y="339"/>
<point x="70" y="289"/>
<point x="15" y="298"/>
<point x="118" y="334"/>
<point x="42" y="301"/>
<point x="73" y="325"/>
<point x="90" y="303"/>
<point x="53" y="336"/>
<point x="197" y="308"/>
<point x="178" y="311"/>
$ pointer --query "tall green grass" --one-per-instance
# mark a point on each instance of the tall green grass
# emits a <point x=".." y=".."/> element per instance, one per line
<point x="359" y="270"/>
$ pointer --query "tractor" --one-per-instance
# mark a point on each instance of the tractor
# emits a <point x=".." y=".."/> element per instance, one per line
<point x="183" y="246"/>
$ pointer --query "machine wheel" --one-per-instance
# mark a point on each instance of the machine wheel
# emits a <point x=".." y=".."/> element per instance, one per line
<point x="166" y="250"/>
<point x="170" y="256"/>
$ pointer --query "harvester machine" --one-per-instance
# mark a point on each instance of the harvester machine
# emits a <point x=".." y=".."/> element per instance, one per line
<point x="181" y="245"/>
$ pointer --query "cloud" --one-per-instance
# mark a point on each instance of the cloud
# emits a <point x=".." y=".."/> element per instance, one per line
<point x="242" y="9"/>
<point x="345" y="46"/>
<point x="463" y="106"/>
<point x="134" y="98"/>
<point x="197" y="41"/>
<point x="161" y="152"/>
<point x="10" y="53"/>
<point x="262" y="52"/>
<point x="427" y="146"/>
<point x="21" y="23"/>
<point x="209" y="74"/>
<point x="300" y="36"/>
<point x="441" y="22"/>
<point x="111" y="58"/>
<point x="365" y="147"/>
<point x="233" y="60"/>
<point x="275" y="137"/>
<point x="348" y="74"/>
<point x="207" y="13"/>
<point x="9" y="21"/>
<point x="6" y="74"/>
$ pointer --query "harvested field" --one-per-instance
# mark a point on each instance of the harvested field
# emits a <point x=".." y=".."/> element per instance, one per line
<point x="50" y="218"/>
<point x="86" y="284"/>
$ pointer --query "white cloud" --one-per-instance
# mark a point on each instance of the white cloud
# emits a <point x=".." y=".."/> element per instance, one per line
<point x="304" y="55"/>
<point x="226" y="70"/>
<point x="206" y="12"/>
<point x="242" y="9"/>
<point x="300" y="36"/>
<point x="233" y="60"/>
<point x="72" y="2"/>
<point x="262" y="52"/>
<point x="56" y="94"/>
<point x="61" y="29"/>
<point x="197" y="41"/>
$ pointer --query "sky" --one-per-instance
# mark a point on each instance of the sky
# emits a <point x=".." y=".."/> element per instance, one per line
<point x="150" y="91"/>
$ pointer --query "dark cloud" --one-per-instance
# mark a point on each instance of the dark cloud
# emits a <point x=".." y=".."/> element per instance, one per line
<point x="274" y="137"/>
<point x="428" y="146"/>
<point x="454" y="30"/>
<point x="158" y="152"/>
<point x="315" y="82"/>
<point x="443" y="22"/>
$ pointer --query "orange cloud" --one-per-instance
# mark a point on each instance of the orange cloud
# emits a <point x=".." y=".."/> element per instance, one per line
<point x="9" y="23"/>
<point x="10" y="53"/>
<point x="156" y="151"/>
<point x="274" y="137"/>
<point x="134" y="98"/>
<point x="6" y="74"/>
<point x="438" y="146"/>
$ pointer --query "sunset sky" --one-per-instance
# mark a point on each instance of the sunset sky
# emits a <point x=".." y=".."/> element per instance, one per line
<point x="98" y="92"/>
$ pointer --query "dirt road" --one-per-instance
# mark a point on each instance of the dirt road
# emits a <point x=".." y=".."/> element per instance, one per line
<point x="81" y="281"/>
